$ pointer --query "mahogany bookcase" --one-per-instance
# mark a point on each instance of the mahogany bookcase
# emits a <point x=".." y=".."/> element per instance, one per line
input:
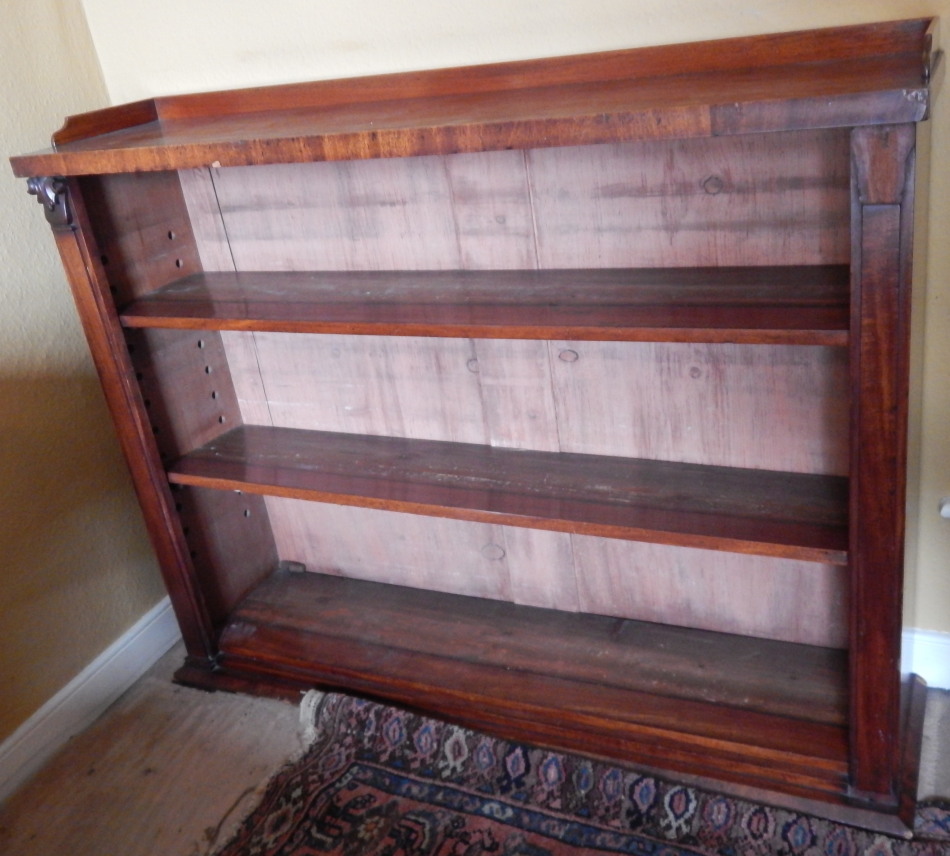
<point x="563" y="398"/>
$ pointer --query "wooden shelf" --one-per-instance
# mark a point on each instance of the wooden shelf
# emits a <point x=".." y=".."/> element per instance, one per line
<point x="789" y="305"/>
<point x="675" y="691"/>
<point x="789" y="515"/>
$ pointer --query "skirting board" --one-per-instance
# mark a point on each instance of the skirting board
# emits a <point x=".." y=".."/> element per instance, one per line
<point x="927" y="653"/>
<point x="76" y="706"/>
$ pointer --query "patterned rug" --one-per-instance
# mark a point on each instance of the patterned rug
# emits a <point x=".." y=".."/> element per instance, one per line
<point x="378" y="781"/>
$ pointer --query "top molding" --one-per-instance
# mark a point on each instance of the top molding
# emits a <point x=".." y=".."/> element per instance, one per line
<point x="838" y="77"/>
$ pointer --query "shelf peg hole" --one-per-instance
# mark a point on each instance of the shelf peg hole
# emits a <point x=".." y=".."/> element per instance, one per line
<point x="222" y="419"/>
<point x="472" y="365"/>
<point x="568" y="356"/>
<point x="214" y="393"/>
<point x="247" y="512"/>
<point x="179" y="263"/>
<point x="171" y="235"/>
<point x="713" y="184"/>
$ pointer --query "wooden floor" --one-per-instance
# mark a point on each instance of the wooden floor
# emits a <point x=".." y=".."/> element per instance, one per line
<point x="161" y="770"/>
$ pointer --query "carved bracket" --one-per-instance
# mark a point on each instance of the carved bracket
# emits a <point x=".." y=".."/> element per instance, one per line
<point x="51" y="192"/>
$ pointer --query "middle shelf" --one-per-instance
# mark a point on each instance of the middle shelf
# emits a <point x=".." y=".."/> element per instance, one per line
<point x="787" y="515"/>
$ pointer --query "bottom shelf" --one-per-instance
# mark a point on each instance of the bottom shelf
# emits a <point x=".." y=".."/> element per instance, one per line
<point x="768" y="714"/>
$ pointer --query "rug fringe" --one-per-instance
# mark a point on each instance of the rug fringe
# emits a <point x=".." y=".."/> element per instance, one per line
<point x="308" y="715"/>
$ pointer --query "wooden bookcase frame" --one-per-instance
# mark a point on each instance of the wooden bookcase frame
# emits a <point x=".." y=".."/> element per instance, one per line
<point x="831" y="729"/>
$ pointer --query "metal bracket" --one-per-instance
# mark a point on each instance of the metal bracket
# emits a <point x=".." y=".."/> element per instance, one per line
<point x="51" y="192"/>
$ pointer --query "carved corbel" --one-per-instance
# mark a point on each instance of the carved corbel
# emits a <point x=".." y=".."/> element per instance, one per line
<point x="51" y="192"/>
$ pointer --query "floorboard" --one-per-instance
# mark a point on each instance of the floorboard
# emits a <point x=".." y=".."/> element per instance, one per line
<point x="159" y="770"/>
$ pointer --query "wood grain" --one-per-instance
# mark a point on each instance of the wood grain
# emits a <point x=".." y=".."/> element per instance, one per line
<point x="712" y="590"/>
<point x="715" y="87"/>
<point x="787" y="406"/>
<point x="528" y="671"/>
<point x="748" y="511"/>
<point x="752" y="200"/>
<point x="760" y="200"/>
<point x="881" y="279"/>
<point x="801" y="305"/>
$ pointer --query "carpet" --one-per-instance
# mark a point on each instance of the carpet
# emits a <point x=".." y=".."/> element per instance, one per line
<point x="378" y="781"/>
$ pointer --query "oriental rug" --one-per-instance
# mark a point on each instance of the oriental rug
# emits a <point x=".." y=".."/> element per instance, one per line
<point x="378" y="781"/>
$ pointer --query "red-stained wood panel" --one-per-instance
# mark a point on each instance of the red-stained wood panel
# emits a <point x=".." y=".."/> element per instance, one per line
<point x="545" y="674"/>
<point x="883" y="195"/>
<point x="800" y="305"/>
<point x="724" y="86"/>
<point x="748" y="511"/>
<point x="182" y="384"/>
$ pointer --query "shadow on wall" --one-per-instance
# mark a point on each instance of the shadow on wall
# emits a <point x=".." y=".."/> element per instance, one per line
<point x="75" y="562"/>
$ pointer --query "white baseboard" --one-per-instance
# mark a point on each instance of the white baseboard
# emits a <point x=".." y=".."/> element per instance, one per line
<point x="76" y="706"/>
<point x="927" y="653"/>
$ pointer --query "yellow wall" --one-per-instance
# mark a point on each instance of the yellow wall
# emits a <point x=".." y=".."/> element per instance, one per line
<point x="75" y="567"/>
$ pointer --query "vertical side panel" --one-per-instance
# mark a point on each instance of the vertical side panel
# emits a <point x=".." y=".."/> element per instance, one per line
<point x="882" y="210"/>
<point x="182" y="385"/>
<point x="82" y="259"/>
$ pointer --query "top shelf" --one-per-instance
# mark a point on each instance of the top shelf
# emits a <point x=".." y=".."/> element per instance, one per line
<point x="804" y="305"/>
<point x="836" y="77"/>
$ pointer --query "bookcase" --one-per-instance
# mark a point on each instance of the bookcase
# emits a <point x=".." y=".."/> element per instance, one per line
<point x="564" y="398"/>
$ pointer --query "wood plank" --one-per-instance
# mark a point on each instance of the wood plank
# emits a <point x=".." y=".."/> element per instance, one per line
<point x="777" y="407"/>
<point x="684" y="91"/>
<point x="801" y="305"/>
<point x="401" y="549"/>
<point x="724" y="688"/>
<point x="758" y="596"/>
<point x="130" y="783"/>
<point x="751" y="200"/>
<point x="754" y="200"/>
<point x="910" y="39"/>
<point x="81" y="258"/>
<point x="526" y="566"/>
<point x="395" y="214"/>
<point x="747" y="511"/>
<point x="883" y="201"/>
